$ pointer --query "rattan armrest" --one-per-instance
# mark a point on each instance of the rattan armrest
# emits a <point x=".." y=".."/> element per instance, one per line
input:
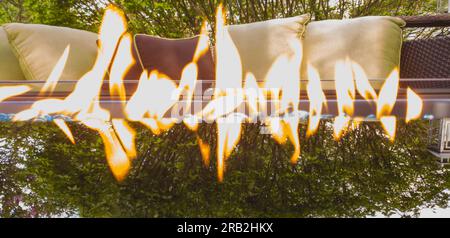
<point x="440" y="20"/>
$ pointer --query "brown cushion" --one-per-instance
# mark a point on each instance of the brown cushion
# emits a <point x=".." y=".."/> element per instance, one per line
<point x="168" y="56"/>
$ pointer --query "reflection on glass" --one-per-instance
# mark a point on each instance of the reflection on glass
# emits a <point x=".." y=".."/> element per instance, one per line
<point x="44" y="175"/>
<point x="443" y="6"/>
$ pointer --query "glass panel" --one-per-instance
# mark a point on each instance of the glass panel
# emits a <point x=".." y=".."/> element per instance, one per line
<point x="443" y="6"/>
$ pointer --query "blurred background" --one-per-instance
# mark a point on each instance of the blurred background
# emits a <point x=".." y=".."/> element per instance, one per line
<point x="182" y="18"/>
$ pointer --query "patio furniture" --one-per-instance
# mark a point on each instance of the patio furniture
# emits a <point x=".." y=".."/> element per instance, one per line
<point x="426" y="58"/>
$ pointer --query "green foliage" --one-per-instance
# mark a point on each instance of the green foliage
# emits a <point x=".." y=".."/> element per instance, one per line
<point x="84" y="15"/>
<point x="43" y="174"/>
<point x="182" y="18"/>
<point x="361" y="175"/>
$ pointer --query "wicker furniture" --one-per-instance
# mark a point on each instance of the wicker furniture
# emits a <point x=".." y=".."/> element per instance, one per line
<point x="426" y="58"/>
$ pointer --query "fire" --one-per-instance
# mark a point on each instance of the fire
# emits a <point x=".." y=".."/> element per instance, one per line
<point x="386" y="102"/>
<point x="56" y="73"/>
<point x="229" y="134"/>
<point x="205" y="150"/>
<point x="157" y="95"/>
<point x="341" y="123"/>
<point x="345" y="87"/>
<point x="282" y="88"/>
<point x="203" y="43"/>
<point x="228" y="61"/>
<point x="415" y="105"/>
<point x="7" y="92"/>
<point x="126" y="135"/>
<point x="83" y="101"/>
<point x="191" y="122"/>
<point x="156" y="91"/>
<point x="122" y="62"/>
<point x="255" y="96"/>
<point x="363" y="85"/>
<point x="63" y="126"/>
<point x="317" y="100"/>
<point x="190" y="72"/>
<point x="388" y="94"/>
<point x="228" y="94"/>
<point x="115" y="154"/>
<point x="389" y="124"/>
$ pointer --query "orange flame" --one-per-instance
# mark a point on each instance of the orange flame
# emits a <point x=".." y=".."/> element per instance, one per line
<point x="389" y="124"/>
<point x="341" y="124"/>
<point x="229" y="134"/>
<point x="388" y="94"/>
<point x="205" y="150"/>
<point x="414" y="107"/>
<point x="228" y="94"/>
<point x="203" y="43"/>
<point x="63" y="126"/>
<point x="191" y="122"/>
<point x="386" y="101"/>
<point x="126" y="135"/>
<point x="317" y="100"/>
<point x="56" y="73"/>
<point x="345" y="87"/>
<point x="7" y="92"/>
<point x="363" y="85"/>
<point x="157" y="94"/>
<point x="121" y="63"/>
<point x="115" y="154"/>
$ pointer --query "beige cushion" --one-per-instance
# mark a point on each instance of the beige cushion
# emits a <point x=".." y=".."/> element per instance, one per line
<point x="38" y="48"/>
<point x="373" y="42"/>
<point x="260" y="43"/>
<point x="9" y="67"/>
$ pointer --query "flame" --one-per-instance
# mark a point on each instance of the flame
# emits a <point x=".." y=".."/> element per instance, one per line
<point x="162" y="94"/>
<point x="284" y="129"/>
<point x="290" y="128"/>
<point x="228" y="61"/>
<point x="126" y="135"/>
<point x="228" y="94"/>
<point x="363" y="85"/>
<point x="157" y="126"/>
<point x="121" y="64"/>
<point x="203" y="43"/>
<point x="187" y="83"/>
<point x="388" y="94"/>
<point x="223" y="105"/>
<point x="414" y="107"/>
<point x="317" y="100"/>
<point x="115" y="154"/>
<point x="63" y="126"/>
<point x="251" y="89"/>
<point x="389" y="124"/>
<point x="276" y="128"/>
<point x="56" y="73"/>
<point x="345" y="87"/>
<point x="157" y="94"/>
<point x="341" y="124"/>
<point x="83" y="101"/>
<point x="205" y="150"/>
<point x="191" y="122"/>
<point x="283" y="86"/>
<point x="386" y="101"/>
<point x="12" y="91"/>
<point x="356" y="122"/>
<point x="274" y="85"/>
<point x="189" y="74"/>
<point x="229" y="134"/>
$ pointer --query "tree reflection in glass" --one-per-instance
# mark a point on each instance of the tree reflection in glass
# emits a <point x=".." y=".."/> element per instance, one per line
<point x="43" y="174"/>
